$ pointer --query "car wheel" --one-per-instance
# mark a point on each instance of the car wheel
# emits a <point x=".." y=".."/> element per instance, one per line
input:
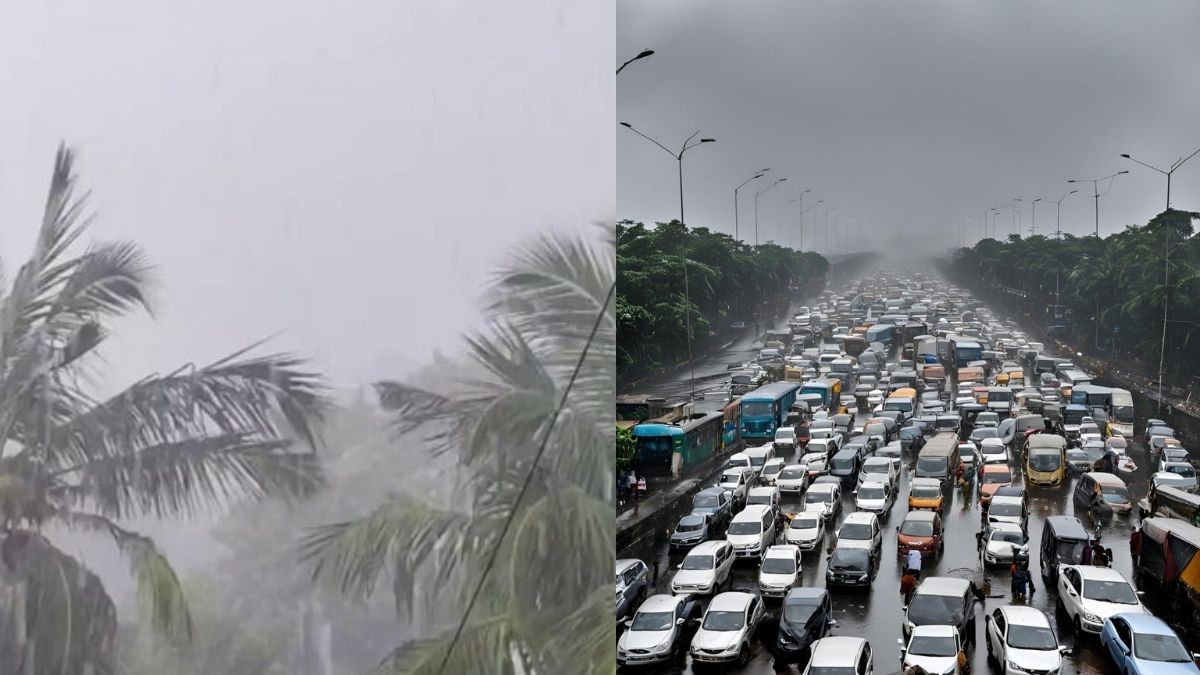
<point x="991" y="653"/>
<point x="743" y="656"/>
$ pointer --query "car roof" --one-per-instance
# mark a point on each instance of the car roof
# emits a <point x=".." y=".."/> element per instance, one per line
<point x="934" y="630"/>
<point x="708" y="547"/>
<point x="996" y="468"/>
<point x="860" y="516"/>
<point x="783" y="550"/>
<point x="1100" y="573"/>
<point x="1002" y="526"/>
<point x="1145" y="623"/>
<point x="925" y="482"/>
<point x="730" y="601"/>
<point x="881" y="461"/>
<point x="806" y="592"/>
<point x="835" y="650"/>
<point x="1024" y="615"/>
<point x="1106" y="478"/>
<point x="661" y="602"/>
<point x="626" y="563"/>
<point x="714" y="489"/>
<point x="823" y="487"/>
<point x="692" y="518"/>
<point x="752" y="512"/>
<point x="944" y="586"/>
<point x="1007" y="499"/>
<point x="918" y="516"/>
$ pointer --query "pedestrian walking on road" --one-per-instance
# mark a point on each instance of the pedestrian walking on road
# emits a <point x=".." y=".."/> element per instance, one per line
<point x="914" y="562"/>
<point x="1135" y="545"/>
<point x="1022" y="582"/>
<point x="622" y="488"/>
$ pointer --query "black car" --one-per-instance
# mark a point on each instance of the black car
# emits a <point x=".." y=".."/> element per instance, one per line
<point x="805" y="617"/>
<point x="714" y="503"/>
<point x="851" y="567"/>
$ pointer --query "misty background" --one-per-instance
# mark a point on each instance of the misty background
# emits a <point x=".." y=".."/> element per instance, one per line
<point x="912" y="118"/>
<point x="342" y="178"/>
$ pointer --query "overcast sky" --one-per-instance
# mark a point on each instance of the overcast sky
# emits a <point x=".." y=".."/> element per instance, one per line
<point x="911" y="117"/>
<point x="346" y="175"/>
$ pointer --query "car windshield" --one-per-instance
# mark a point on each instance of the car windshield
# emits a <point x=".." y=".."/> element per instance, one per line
<point x="1070" y="551"/>
<point x="966" y="451"/>
<point x="878" y="469"/>
<point x="785" y="433"/>
<point x="1117" y="592"/>
<point x="1115" y="494"/>
<point x="790" y="474"/>
<point x="842" y="463"/>
<point x="799" y="611"/>
<point x="941" y="610"/>
<point x="988" y="432"/>
<point x="1044" y="461"/>
<point x="771" y="469"/>
<point x="872" y="492"/>
<point x="929" y="645"/>
<point x="757" y="461"/>
<point x="994" y="477"/>
<point x="656" y="621"/>
<point x="804" y="522"/>
<point x="1006" y="510"/>
<point x="1182" y="470"/>
<point x="917" y="528"/>
<point x="851" y="559"/>
<point x="1154" y="647"/>
<point x="706" y="501"/>
<point x="745" y="527"/>
<point x="732" y="478"/>
<point x="760" y="500"/>
<point x="775" y="565"/>
<point x="1006" y="535"/>
<point x="689" y="526"/>
<point x="724" y="621"/>
<point x="855" y="531"/>
<point x="816" y="497"/>
<point x="1031" y="637"/>
<point x="930" y="465"/>
<point x="697" y="562"/>
<point x="831" y="670"/>
<point x="756" y="409"/>
<point x="926" y="491"/>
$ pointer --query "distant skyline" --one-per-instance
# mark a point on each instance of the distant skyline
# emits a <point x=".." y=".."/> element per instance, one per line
<point x="912" y="118"/>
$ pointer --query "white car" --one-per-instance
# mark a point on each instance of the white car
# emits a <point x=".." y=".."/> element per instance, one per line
<point x="875" y="497"/>
<point x="765" y="495"/>
<point x="994" y="451"/>
<point x="793" y="478"/>
<point x="751" y="531"/>
<point x="1008" y="509"/>
<point x="840" y="654"/>
<point x="850" y="403"/>
<point x="770" y="470"/>
<point x="1002" y="542"/>
<point x="737" y="481"/>
<point x="874" y="398"/>
<point x="728" y="628"/>
<point x="785" y="438"/>
<point x="1020" y="639"/>
<point x="655" y="634"/>
<point x="881" y="470"/>
<point x="818" y="466"/>
<point x="806" y="531"/>
<point x="738" y="460"/>
<point x="1090" y="594"/>
<point x="933" y="648"/>
<point x="704" y="569"/>
<point x="970" y="455"/>
<point x="780" y="570"/>
<point x="824" y="499"/>
<point x="1185" y="474"/>
<point x="759" y="456"/>
<point x="861" y="527"/>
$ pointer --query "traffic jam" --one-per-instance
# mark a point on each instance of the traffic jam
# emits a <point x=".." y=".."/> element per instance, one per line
<point x="924" y="488"/>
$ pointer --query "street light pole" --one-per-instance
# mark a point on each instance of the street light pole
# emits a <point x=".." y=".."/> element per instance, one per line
<point x="756" y="196"/>
<point x="644" y="53"/>
<point x="1096" y="192"/>
<point x="1167" y="173"/>
<point x="1033" y="226"/>
<point x="687" y="309"/>
<point x="1057" y="246"/>
<point x="827" y="212"/>
<point x="758" y="174"/>
<point x="802" y="212"/>
<point x="801" y="200"/>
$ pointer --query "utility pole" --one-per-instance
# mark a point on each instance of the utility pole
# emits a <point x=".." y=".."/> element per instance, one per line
<point x="1033" y="227"/>
<point x="757" y="174"/>
<point x="801" y="200"/>
<point x="756" y="196"/>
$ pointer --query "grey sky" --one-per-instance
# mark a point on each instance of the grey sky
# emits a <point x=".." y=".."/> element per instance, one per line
<point x="348" y="175"/>
<point x="913" y="117"/>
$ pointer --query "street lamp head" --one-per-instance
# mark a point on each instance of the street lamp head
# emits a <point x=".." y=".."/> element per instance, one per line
<point x="806" y="191"/>
<point x="1126" y="156"/>
<point x="644" y="54"/>
<point x="1072" y="181"/>
<point x="708" y="140"/>
<point x="1072" y="192"/>
<point x="1121" y="172"/>
<point x="757" y="175"/>
<point x="1037" y="200"/>
<point x="626" y="124"/>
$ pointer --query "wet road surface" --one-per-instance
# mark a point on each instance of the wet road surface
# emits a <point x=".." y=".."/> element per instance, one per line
<point x="877" y="615"/>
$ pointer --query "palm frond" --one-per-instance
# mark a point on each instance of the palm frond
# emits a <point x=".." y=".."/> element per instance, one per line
<point x="582" y="641"/>
<point x="351" y="556"/>
<point x="485" y="648"/>
<point x="158" y="587"/>
<point x="194" y="476"/>
<point x="245" y="398"/>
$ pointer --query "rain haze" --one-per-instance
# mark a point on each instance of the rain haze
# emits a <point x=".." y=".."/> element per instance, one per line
<point x="343" y="182"/>
<point x="902" y="117"/>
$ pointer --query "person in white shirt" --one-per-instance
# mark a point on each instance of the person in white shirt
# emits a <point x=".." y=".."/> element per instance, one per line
<point x="914" y="562"/>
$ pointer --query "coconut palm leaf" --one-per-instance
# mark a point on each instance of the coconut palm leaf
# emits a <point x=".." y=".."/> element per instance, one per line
<point x="485" y="647"/>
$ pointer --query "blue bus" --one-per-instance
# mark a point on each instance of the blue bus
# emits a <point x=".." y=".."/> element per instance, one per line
<point x="678" y="447"/>
<point x="766" y="409"/>
<point x="966" y="352"/>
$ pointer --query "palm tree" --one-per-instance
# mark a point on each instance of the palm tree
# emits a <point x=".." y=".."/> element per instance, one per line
<point x="545" y="606"/>
<point x="168" y="446"/>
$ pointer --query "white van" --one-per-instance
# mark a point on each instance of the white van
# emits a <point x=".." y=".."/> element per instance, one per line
<point x="752" y="531"/>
